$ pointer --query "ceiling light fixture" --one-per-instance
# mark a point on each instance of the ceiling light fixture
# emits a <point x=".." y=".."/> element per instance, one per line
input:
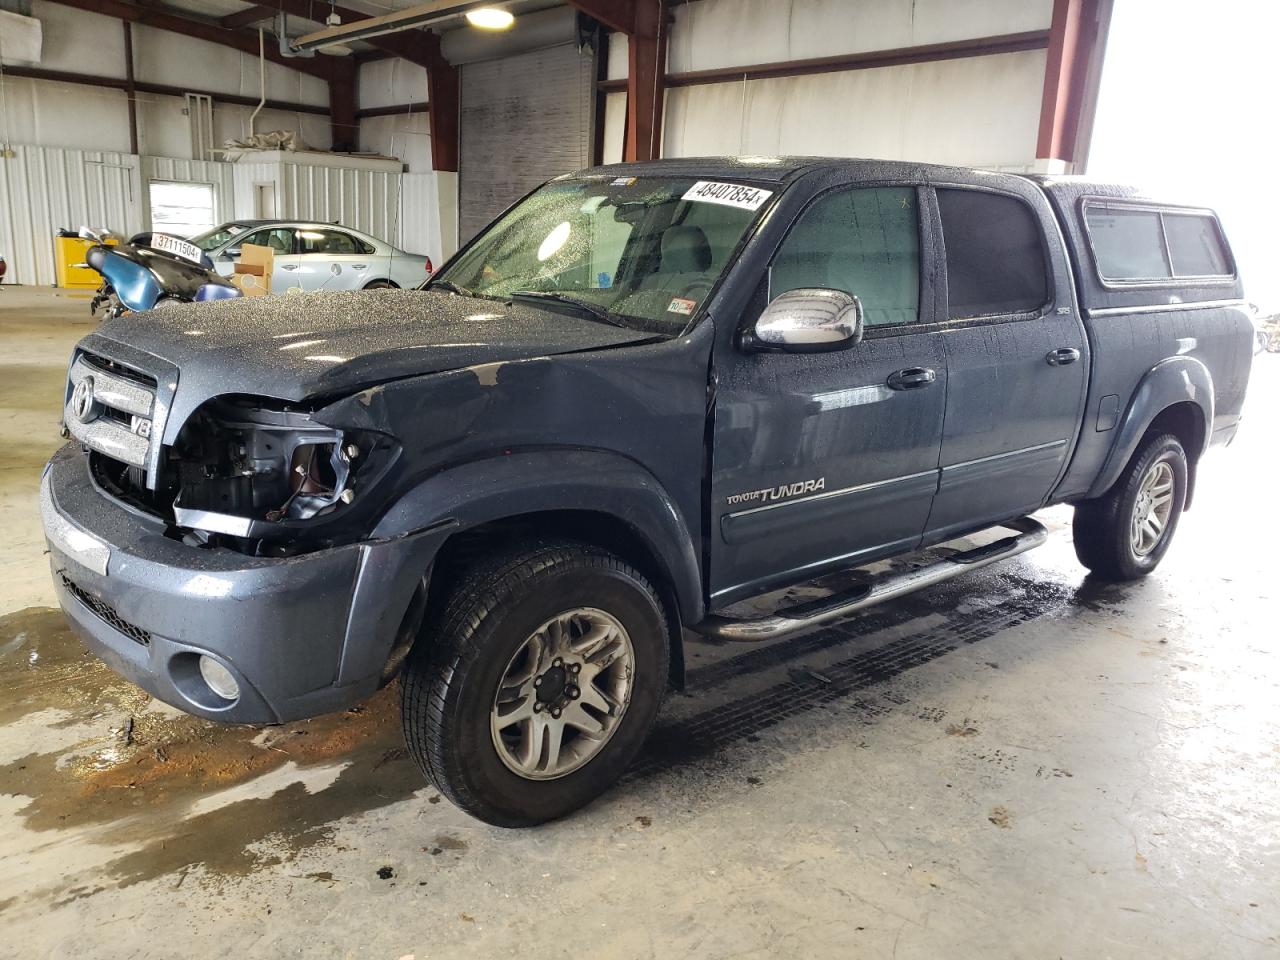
<point x="490" y="18"/>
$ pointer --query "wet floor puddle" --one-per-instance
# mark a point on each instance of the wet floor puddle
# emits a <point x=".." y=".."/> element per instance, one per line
<point x="85" y="754"/>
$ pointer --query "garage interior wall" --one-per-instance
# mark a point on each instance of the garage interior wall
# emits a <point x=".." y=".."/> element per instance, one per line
<point x="51" y="114"/>
<point x="60" y="187"/>
<point x="69" y="163"/>
<point x="976" y="111"/>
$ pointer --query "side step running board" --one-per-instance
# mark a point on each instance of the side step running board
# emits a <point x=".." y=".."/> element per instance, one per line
<point x="1030" y="534"/>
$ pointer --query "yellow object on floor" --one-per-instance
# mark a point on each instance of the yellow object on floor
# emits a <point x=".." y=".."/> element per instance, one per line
<point x="67" y="253"/>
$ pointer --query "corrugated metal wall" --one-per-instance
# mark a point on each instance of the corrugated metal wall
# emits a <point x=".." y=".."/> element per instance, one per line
<point x="46" y="188"/>
<point x="366" y="200"/>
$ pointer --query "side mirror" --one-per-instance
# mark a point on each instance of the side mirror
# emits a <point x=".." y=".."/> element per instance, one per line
<point x="231" y="253"/>
<point x="808" y="320"/>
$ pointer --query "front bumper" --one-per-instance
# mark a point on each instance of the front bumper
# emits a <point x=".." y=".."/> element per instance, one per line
<point x="302" y="635"/>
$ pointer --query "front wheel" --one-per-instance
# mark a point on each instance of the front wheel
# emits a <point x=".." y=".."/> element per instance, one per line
<point x="1123" y="534"/>
<point x="538" y="684"/>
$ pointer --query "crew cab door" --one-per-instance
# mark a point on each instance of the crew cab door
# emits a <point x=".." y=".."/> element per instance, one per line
<point x="822" y="460"/>
<point x="1017" y="356"/>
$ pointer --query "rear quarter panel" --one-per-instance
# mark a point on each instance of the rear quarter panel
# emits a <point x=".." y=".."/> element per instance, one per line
<point x="1131" y="328"/>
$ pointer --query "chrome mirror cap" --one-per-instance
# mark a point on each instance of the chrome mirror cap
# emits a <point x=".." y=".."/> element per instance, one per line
<point x="808" y="320"/>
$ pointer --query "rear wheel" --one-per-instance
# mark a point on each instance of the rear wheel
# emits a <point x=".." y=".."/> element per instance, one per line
<point x="1123" y="534"/>
<point x="379" y="285"/>
<point x="538" y="683"/>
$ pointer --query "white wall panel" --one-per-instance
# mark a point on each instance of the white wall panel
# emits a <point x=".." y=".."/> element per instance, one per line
<point x="78" y="41"/>
<point x="384" y="83"/>
<point x="367" y="200"/>
<point x="981" y="111"/>
<point x="63" y="115"/>
<point x="726" y="33"/>
<point x="418" y="227"/>
<point x="170" y="58"/>
<point x="406" y="137"/>
<point x="616" y="68"/>
<point x="615" y="127"/>
<point x="44" y="188"/>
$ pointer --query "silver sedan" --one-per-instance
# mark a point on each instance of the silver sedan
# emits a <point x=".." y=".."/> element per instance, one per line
<point x="316" y="256"/>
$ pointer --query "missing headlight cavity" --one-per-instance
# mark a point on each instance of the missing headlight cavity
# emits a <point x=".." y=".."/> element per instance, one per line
<point x="239" y="464"/>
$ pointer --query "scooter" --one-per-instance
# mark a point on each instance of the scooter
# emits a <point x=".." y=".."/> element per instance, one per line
<point x="164" y="271"/>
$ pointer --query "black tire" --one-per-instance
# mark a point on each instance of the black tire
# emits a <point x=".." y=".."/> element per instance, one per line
<point x="1102" y="527"/>
<point x="452" y="675"/>
<point x="380" y="285"/>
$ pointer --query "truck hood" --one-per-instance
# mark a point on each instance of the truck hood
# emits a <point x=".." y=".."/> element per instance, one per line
<point x="294" y="347"/>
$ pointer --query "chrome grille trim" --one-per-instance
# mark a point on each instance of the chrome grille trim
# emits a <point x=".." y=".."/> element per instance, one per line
<point x="112" y="393"/>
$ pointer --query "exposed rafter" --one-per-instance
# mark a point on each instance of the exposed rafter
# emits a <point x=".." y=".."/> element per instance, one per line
<point x="409" y="45"/>
<point x="617" y="15"/>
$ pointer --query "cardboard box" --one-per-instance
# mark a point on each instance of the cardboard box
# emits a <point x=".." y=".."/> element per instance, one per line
<point x="252" y="272"/>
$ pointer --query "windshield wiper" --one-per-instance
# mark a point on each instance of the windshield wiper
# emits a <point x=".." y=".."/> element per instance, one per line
<point x="586" y="306"/>
<point x="451" y="287"/>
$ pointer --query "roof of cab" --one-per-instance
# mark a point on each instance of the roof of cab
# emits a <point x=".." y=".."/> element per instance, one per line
<point x="768" y="169"/>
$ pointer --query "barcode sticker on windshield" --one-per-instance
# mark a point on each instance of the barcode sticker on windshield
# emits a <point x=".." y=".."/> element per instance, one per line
<point x="728" y="194"/>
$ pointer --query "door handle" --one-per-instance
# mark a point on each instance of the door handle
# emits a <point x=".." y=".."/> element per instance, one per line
<point x="912" y="378"/>
<point x="359" y="266"/>
<point x="288" y="266"/>
<point x="1062" y="356"/>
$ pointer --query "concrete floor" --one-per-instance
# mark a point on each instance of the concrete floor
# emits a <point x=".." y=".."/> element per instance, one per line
<point x="1023" y="763"/>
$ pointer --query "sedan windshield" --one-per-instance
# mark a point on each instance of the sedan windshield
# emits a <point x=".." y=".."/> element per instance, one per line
<point x="639" y="251"/>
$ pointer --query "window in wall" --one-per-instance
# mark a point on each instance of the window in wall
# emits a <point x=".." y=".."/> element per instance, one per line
<point x="865" y="242"/>
<point x="995" y="255"/>
<point x="1127" y="244"/>
<point x="1196" y="246"/>
<point x="181" y="209"/>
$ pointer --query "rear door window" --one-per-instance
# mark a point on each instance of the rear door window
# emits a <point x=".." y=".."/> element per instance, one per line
<point x="995" y="255"/>
<point x="279" y="239"/>
<point x="332" y="242"/>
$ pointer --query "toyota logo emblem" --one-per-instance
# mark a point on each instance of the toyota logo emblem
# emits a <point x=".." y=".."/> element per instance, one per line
<point x="82" y="400"/>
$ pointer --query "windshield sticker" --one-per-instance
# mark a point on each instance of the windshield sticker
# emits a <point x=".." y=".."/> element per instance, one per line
<point x="681" y="305"/>
<point x="728" y="194"/>
<point x="623" y="182"/>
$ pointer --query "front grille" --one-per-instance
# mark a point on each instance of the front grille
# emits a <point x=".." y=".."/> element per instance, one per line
<point x="107" y="365"/>
<point x="106" y="612"/>
<point x="117" y="418"/>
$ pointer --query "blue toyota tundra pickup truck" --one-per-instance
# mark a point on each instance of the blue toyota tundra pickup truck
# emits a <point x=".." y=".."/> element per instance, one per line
<point x="645" y="393"/>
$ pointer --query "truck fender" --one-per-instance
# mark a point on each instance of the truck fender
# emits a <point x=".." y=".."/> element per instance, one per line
<point x="507" y="486"/>
<point x="1173" y="380"/>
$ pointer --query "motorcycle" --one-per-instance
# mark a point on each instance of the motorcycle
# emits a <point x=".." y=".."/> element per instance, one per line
<point x="151" y="271"/>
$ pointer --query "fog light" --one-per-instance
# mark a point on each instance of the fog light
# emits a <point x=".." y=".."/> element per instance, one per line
<point x="219" y="679"/>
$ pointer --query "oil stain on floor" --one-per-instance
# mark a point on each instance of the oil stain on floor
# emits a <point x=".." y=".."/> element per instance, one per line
<point x="164" y="791"/>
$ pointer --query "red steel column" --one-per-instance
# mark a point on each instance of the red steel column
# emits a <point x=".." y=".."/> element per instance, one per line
<point x="1073" y="40"/>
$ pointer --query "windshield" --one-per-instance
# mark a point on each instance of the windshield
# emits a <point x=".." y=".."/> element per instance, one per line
<point x="647" y="250"/>
<point x="212" y="239"/>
